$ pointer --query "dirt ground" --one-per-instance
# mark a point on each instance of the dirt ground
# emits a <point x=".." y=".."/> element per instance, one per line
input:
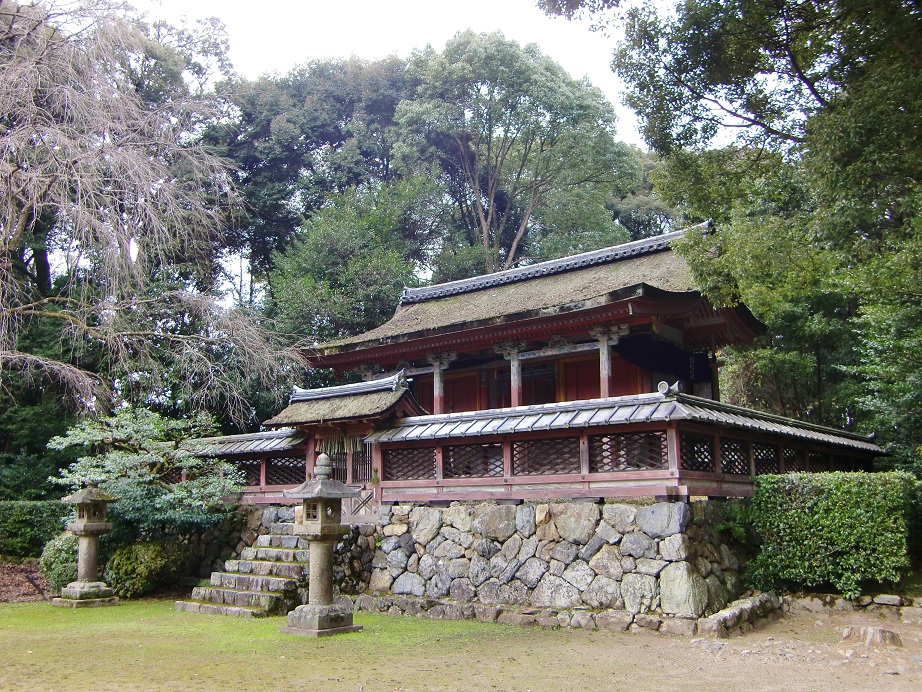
<point x="22" y="584"/>
<point x="804" y="651"/>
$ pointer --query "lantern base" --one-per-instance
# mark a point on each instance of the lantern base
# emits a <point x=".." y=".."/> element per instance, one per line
<point x="314" y="620"/>
<point x="86" y="594"/>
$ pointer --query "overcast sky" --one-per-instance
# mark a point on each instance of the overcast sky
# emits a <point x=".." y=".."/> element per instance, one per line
<point x="275" y="35"/>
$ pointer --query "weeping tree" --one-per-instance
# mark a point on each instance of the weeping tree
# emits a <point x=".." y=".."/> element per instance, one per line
<point x="110" y="213"/>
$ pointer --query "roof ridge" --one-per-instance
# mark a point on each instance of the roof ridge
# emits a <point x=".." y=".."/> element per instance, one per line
<point x="547" y="268"/>
<point x="391" y="384"/>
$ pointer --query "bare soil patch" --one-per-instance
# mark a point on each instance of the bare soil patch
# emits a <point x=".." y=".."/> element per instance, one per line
<point x="22" y="583"/>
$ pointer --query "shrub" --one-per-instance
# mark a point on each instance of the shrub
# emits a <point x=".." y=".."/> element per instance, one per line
<point x="139" y="568"/>
<point x="59" y="561"/>
<point x="25" y="527"/>
<point x="835" y="529"/>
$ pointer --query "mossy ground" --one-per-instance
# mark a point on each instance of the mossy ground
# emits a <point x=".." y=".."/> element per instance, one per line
<point x="147" y="645"/>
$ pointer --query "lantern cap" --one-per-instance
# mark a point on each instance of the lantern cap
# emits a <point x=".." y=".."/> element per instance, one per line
<point x="89" y="494"/>
<point x="320" y="488"/>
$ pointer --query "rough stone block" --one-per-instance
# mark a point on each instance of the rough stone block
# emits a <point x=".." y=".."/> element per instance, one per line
<point x="607" y="562"/>
<point x="565" y="552"/>
<point x="555" y="592"/>
<point x="531" y="571"/>
<point x="608" y="533"/>
<point x="486" y="613"/>
<point x="459" y="516"/>
<point x="649" y="566"/>
<point x="888" y="600"/>
<point x="409" y="583"/>
<point x="525" y="520"/>
<point x="638" y="592"/>
<point x="513" y="618"/>
<point x="579" y="574"/>
<point x="614" y="620"/>
<point x="494" y="521"/>
<point x="638" y="544"/>
<point x="602" y="593"/>
<point x="681" y="627"/>
<point x="576" y="521"/>
<point x="663" y="519"/>
<point x="424" y="523"/>
<point x="674" y="548"/>
<point x="462" y="590"/>
<point x="583" y="620"/>
<point x="620" y="516"/>
<point x="682" y="591"/>
<point x="591" y="548"/>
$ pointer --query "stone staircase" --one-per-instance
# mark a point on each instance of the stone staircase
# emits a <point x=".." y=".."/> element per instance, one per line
<point x="269" y="578"/>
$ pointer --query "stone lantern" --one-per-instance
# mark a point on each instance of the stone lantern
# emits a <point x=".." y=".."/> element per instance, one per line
<point x="90" y="525"/>
<point x="320" y="522"/>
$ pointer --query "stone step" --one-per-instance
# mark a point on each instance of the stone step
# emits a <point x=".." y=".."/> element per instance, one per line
<point x="278" y="602"/>
<point x="271" y="540"/>
<point x="291" y="570"/>
<point x="250" y="582"/>
<point x="275" y="554"/>
<point x="213" y="609"/>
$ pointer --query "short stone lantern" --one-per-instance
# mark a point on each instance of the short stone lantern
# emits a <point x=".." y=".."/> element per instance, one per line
<point x="320" y="522"/>
<point x="90" y="525"/>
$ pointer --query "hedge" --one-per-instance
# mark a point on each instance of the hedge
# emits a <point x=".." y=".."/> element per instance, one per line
<point x="25" y="527"/>
<point x="832" y="529"/>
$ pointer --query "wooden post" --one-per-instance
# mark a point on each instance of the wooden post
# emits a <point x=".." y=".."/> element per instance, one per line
<point x="607" y="337"/>
<point x="440" y="361"/>
<point x="510" y="351"/>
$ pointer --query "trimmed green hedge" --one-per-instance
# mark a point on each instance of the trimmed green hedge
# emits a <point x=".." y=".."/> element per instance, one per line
<point x="139" y="568"/>
<point x="25" y="527"/>
<point x="832" y="529"/>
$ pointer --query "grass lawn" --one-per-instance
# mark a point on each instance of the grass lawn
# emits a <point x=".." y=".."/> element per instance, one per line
<point x="147" y="645"/>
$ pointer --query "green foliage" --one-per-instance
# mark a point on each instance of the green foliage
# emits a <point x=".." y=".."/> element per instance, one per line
<point x="736" y="519"/>
<point x="346" y="270"/>
<point x="59" y="561"/>
<point x="139" y="568"/>
<point x="25" y="527"/>
<point x="130" y="453"/>
<point x="511" y="134"/>
<point x="835" y="529"/>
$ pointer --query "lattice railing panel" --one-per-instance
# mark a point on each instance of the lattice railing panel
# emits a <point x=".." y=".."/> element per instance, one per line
<point x="361" y="465"/>
<point x="251" y="469"/>
<point x="171" y="475"/>
<point x="766" y="457"/>
<point x="794" y="460"/>
<point x="285" y="471"/>
<point x="417" y="463"/>
<point x="841" y="463"/>
<point x="627" y="452"/>
<point x="819" y="461"/>
<point x="338" y="460"/>
<point x="734" y="455"/>
<point x="536" y="457"/>
<point x="472" y="461"/>
<point x="697" y="452"/>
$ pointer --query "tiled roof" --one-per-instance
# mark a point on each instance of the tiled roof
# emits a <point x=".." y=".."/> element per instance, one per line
<point x="275" y="441"/>
<point x="643" y="408"/>
<point x="385" y="384"/>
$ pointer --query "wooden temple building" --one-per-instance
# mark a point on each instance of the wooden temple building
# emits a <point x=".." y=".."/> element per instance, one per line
<point x="589" y="376"/>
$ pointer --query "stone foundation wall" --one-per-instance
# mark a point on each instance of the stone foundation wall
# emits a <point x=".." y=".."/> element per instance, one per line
<point x="637" y="564"/>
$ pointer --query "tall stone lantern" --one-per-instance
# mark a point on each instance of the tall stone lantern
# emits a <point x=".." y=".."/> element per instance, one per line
<point x="90" y="524"/>
<point x="321" y="523"/>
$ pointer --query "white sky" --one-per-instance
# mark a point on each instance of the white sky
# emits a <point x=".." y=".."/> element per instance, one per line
<point x="275" y="35"/>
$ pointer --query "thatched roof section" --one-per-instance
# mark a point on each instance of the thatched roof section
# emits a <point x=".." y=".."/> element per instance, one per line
<point x="573" y="283"/>
<point x="359" y="401"/>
